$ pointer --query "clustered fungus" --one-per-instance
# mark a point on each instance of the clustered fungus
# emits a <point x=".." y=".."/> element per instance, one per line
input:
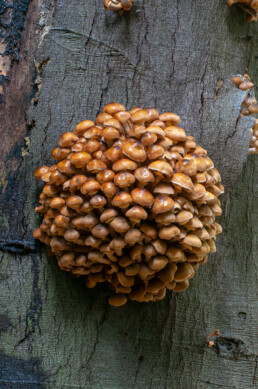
<point x="118" y="5"/>
<point x="249" y="107"/>
<point x="253" y="146"/>
<point x="131" y="201"/>
<point x="211" y="343"/>
<point x="249" y="6"/>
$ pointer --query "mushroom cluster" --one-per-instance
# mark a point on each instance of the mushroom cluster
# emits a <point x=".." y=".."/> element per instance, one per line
<point x="118" y="5"/>
<point x="131" y="201"/>
<point x="249" y="107"/>
<point x="253" y="146"/>
<point x="249" y="6"/>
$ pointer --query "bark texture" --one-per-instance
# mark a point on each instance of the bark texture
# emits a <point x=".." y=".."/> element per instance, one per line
<point x="72" y="58"/>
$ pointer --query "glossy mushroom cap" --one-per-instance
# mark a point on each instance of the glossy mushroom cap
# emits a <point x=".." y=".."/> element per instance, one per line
<point x="120" y="6"/>
<point x="131" y="201"/>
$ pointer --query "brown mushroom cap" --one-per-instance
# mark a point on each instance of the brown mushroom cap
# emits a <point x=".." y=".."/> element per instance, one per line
<point x="181" y="180"/>
<point x="134" y="150"/>
<point x="168" y="232"/>
<point x="175" y="133"/>
<point x="162" y="204"/>
<point x="122" y="200"/>
<point x="170" y="117"/>
<point x="136" y="213"/>
<point x="120" y="224"/>
<point x="161" y="167"/>
<point x="164" y="189"/>
<point x="124" y="164"/>
<point x="144" y="175"/>
<point x="142" y="197"/>
<point x="132" y="201"/>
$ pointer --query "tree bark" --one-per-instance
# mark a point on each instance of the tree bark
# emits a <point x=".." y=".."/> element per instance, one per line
<point x="71" y="58"/>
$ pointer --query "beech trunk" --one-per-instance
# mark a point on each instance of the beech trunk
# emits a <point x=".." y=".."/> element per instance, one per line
<point x="61" y="62"/>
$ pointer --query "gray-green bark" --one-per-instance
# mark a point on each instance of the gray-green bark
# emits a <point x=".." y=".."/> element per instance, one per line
<point x="179" y="56"/>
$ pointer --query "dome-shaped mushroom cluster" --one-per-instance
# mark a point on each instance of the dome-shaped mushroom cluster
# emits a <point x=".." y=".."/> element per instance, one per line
<point x="118" y="5"/>
<point x="131" y="201"/>
<point x="249" y="6"/>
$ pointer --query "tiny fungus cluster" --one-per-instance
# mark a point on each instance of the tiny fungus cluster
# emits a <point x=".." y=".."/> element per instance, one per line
<point x="249" y="6"/>
<point x="131" y="201"/>
<point x="118" y="5"/>
<point x="253" y="147"/>
<point x="249" y="107"/>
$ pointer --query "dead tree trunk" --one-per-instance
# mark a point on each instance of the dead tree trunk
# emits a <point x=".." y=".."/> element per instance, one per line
<point x="61" y="62"/>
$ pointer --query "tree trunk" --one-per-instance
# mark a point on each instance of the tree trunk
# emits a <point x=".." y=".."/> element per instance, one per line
<point x="62" y="61"/>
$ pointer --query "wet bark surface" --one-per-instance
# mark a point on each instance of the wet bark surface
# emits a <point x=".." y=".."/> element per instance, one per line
<point x="72" y="58"/>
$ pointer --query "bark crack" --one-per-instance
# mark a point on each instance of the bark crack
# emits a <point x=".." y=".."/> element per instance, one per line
<point x="230" y="136"/>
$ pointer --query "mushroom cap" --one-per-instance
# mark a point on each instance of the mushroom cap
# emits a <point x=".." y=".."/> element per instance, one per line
<point x="124" y="179"/>
<point x="175" y="133"/>
<point x="162" y="204"/>
<point x="120" y="224"/>
<point x="143" y="174"/>
<point x="166" y="218"/>
<point x="136" y="213"/>
<point x="161" y="167"/>
<point x="168" y="232"/>
<point x="134" y="150"/>
<point x="183" y="181"/>
<point x="155" y="129"/>
<point x="113" y="108"/>
<point x="192" y="240"/>
<point x="184" y="272"/>
<point x="140" y="116"/>
<point x="124" y="164"/>
<point x="183" y="216"/>
<point x="83" y="126"/>
<point x="122" y="199"/>
<point x="142" y="197"/>
<point x="164" y="189"/>
<point x="170" y="117"/>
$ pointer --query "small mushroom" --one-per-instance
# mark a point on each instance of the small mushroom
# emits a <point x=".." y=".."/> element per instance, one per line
<point x="136" y="214"/>
<point x="184" y="272"/>
<point x="157" y="263"/>
<point x="144" y="175"/>
<point x="124" y="179"/>
<point x="181" y="286"/>
<point x="68" y="139"/>
<point x="155" y="151"/>
<point x="175" y="133"/>
<point x="182" y="181"/>
<point x="142" y="197"/>
<point x="105" y="176"/>
<point x="192" y="240"/>
<point x="168" y="273"/>
<point x="135" y="151"/>
<point x="162" y="204"/>
<point x="120" y="224"/>
<point x="117" y="300"/>
<point x="161" y="167"/>
<point x="90" y="187"/>
<point x="108" y="215"/>
<point x="124" y="164"/>
<point x="168" y="232"/>
<point x="122" y="200"/>
<point x="170" y="118"/>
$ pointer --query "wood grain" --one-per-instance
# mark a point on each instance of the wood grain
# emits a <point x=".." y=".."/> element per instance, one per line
<point x="179" y="56"/>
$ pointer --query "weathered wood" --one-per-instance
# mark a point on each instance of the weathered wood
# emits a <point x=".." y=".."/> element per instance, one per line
<point x="54" y="333"/>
